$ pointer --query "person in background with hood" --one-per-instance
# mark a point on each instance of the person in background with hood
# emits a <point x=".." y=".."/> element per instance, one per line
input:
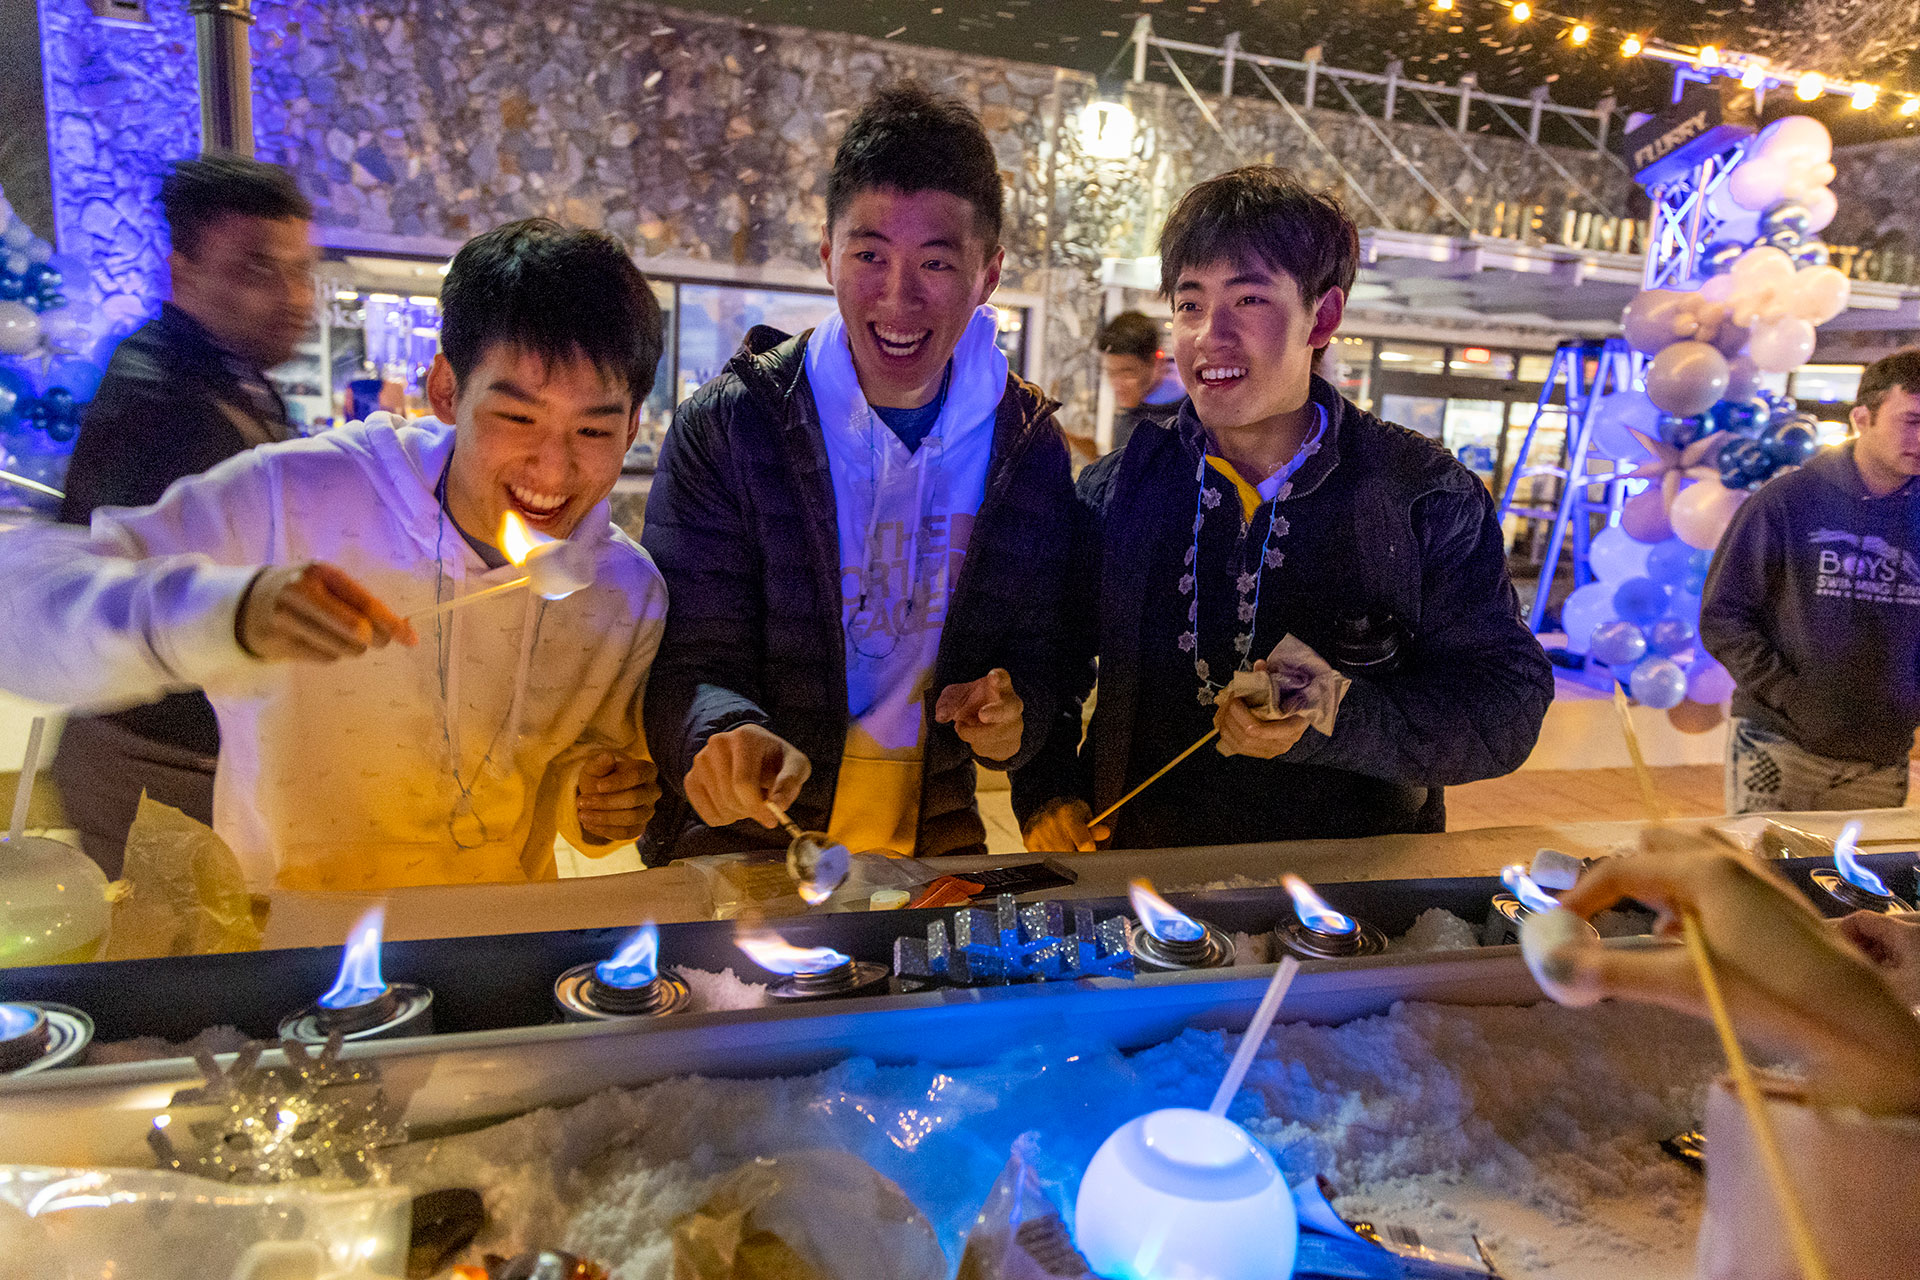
<point x="457" y="753"/>
<point x="182" y="394"/>
<point x="865" y="529"/>
<point x="1135" y="363"/>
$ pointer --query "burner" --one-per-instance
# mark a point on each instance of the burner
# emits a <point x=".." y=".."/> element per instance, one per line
<point x="1503" y="921"/>
<point x="1310" y="943"/>
<point x="850" y="978"/>
<point x="1210" y="949"/>
<point x="1852" y="895"/>
<point x="584" y="997"/>
<point x="400" y="1009"/>
<point x="34" y="1037"/>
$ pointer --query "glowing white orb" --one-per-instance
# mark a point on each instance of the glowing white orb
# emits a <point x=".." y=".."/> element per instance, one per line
<point x="1180" y="1194"/>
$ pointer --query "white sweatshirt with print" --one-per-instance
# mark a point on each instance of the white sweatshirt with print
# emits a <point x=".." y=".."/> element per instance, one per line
<point x="456" y="761"/>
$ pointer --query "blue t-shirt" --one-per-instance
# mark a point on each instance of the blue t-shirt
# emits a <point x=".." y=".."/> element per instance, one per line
<point x="912" y="425"/>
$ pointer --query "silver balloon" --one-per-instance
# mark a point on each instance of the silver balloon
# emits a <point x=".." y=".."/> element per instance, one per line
<point x="1687" y="378"/>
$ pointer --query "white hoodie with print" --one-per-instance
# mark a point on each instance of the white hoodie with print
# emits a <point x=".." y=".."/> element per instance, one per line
<point x="905" y="518"/>
<point x="456" y="761"/>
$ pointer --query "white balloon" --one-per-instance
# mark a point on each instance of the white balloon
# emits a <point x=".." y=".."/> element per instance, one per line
<point x="1763" y="264"/>
<point x="1797" y="136"/>
<point x="1781" y="345"/>
<point x="1616" y="556"/>
<point x="19" y="329"/>
<point x="1718" y="288"/>
<point x="1819" y="293"/>
<point x="65" y="328"/>
<point x="1732" y="221"/>
<point x="1743" y="378"/>
<point x="1657" y="317"/>
<point x="1821" y="208"/>
<point x="1585" y="609"/>
<point x="1702" y="511"/>
<point x="1757" y="181"/>
<point x="1616" y="417"/>
<point x="1687" y="378"/>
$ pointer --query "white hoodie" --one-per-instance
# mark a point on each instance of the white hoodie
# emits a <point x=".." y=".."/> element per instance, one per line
<point x="904" y="521"/>
<point x="453" y="762"/>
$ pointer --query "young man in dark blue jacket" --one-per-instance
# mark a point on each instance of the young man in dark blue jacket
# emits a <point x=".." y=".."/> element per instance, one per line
<point x="864" y="529"/>
<point x="1813" y="605"/>
<point x="1271" y="507"/>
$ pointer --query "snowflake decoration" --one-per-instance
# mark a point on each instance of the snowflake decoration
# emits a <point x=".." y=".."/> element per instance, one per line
<point x="1201" y="669"/>
<point x="313" y="1118"/>
<point x="1186" y="584"/>
<point x="1273" y="558"/>
<point x="1246" y="611"/>
<point x="1280" y="526"/>
<point x="1210" y="498"/>
<point x="1246" y="582"/>
<point x="1187" y="641"/>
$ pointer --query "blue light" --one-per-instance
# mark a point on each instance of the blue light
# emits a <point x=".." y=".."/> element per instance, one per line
<point x="359" y="981"/>
<point x="17" y="1020"/>
<point x="636" y="963"/>
<point x="1521" y="886"/>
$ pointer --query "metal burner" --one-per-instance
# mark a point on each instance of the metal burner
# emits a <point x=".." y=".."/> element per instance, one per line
<point x="1852" y="895"/>
<point x="52" y="1036"/>
<point x="1310" y="943"/>
<point x="1503" y="921"/>
<point x="1211" y="950"/>
<point x="401" y="1009"/>
<point x="854" y="978"/>
<point x="583" y="997"/>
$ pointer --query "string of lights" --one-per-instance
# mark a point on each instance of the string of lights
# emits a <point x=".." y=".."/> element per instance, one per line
<point x="1753" y="70"/>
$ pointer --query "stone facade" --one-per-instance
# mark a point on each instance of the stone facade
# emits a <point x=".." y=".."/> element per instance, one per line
<point x="693" y="136"/>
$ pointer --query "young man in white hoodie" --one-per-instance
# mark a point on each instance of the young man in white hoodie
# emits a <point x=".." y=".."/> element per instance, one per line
<point x="865" y="527"/>
<point x="366" y="743"/>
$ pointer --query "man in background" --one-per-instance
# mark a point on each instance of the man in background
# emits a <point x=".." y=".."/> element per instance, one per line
<point x="1146" y="386"/>
<point x="185" y="391"/>
<point x="1813" y="605"/>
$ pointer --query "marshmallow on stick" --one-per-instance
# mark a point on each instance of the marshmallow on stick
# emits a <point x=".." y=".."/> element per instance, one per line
<point x="555" y="568"/>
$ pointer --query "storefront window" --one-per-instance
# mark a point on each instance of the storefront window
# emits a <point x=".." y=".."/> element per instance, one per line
<point x="1425" y="414"/>
<point x="1348" y="364"/>
<point x="715" y="317"/>
<point x="1536" y="368"/>
<point x="1472" y="432"/>
<point x="1411" y="357"/>
<point x="1823" y="384"/>
<point x="1480" y="362"/>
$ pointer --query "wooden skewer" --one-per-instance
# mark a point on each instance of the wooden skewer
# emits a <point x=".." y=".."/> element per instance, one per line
<point x="1764" y="1138"/>
<point x="787" y="824"/>
<point x="1648" y="795"/>
<point x="459" y="602"/>
<point x="1157" y="775"/>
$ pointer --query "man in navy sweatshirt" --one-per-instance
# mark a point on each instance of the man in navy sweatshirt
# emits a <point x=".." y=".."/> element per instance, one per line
<point x="1813" y="605"/>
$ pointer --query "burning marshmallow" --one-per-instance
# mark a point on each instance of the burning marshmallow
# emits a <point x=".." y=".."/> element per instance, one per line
<point x="1553" y="869"/>
<point x="555" y="567"/>
<point x="1564" y="954"/>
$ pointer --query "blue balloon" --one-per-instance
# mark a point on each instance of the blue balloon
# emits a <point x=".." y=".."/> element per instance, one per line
<point x="1681" y="432"/>
<point x="1641" y="600"/>
<point x="81" y="377"/>
<point x="1658" y="683"/>
<point x="41" y="278"/>
<point x="1696" y="582"/>
<point x="62" y="429"/>
<point x="1718" y="258"/>
<point x="1809" y="253"/>
<point x="12" y="287"/>
<point x="1784" y="240"/>
<point x="1701" y="560"/>
<point x="1743" y="462"/>
<point x="1670" y="636"/>
<point x="1741" y="417"/>
<point x="16" y="395"/>
<point x="1790" y="443"/>
<point x="1618" y="644"/>
<point x="59" y="403"/>
<point x="1788" y="215"/>
<point x="1670" y="562"/>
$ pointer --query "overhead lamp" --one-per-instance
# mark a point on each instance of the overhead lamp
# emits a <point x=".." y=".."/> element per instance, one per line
<point x="1580" y="34"/>
<point x="1630" y="47"/>
<point x="1106" y="130"/>
<point x="1864" y="96"/>
<point x="1911" y="107"/>
<point x="1443" y="6"/>
<point x="1522" y="11"/>
<point x="1810" y="86"/>
<point x="1709" y="56"/>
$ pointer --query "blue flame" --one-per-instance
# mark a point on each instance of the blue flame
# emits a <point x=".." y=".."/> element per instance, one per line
<point x="16" y="1020"/>
<point x="1162" y="919"/>
<point x="1313" y="909"/>
<point x="1849" y="866"/>
<point x="359" y="981"/>
<point x="1521" y="886"/>
<point x="636" y="963"/>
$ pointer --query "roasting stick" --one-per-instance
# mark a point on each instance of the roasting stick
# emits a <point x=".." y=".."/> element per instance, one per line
<point x="1792" y="1212"/>
<point x="461" y="602"/>
<point x="23" y="792"/>
<point x="1256" y="1031"/>
<point x="1157" y="775"/>
<point x="787" y="824"/>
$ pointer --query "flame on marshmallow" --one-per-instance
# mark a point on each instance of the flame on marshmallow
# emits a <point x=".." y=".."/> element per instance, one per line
<point x="517" y="541"/>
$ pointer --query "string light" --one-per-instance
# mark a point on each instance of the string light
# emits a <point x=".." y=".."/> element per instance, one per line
<point x="1443" y="6"/>
<point x="1630" y="47"/>
<point x="1910" y="107"/>
<point x="1709" y="56"/>
<point x="1810" y="86"/>
<point x="1522" y="11"/>
<point x="1864" y="96"/>
<point x="1580" y="33"/>
<point x="1755" y="76"/>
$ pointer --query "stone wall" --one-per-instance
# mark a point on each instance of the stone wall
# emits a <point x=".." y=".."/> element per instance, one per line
<point x="1878" y="226"/>
<point x="690" y="136"/>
